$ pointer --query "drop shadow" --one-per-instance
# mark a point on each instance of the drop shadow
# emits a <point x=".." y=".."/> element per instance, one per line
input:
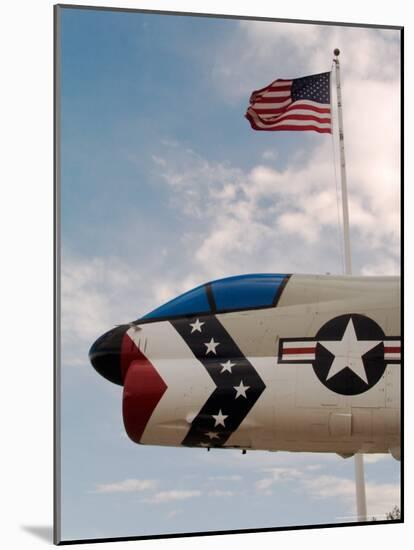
<point x="44" y="532"/>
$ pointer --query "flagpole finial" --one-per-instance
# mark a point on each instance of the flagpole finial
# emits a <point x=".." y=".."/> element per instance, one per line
<point x="337" y="52"/>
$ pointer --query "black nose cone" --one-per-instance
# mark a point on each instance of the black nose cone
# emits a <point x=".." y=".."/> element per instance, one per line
<point x="105" y="354"/>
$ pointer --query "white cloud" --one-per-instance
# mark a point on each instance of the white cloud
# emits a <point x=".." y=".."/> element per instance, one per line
<point x="99" y="293"/>
<point x="381" y="497"/>
<point x="173" y="495"/>
<point x="95" y="295"/>
<point x="233" y="477"/>
<point x="181" y="168"/>
<point x="329" y="486"/>
<point x="278" y="475"/>
<point x="270" y="155"/>
<point x="221" y="493"/>
<point x="263" y="51"/>
<point x="374" y="458"/>
<point x="260" y="219"/>
<point x="127" y="486"/>
<point x="386" y="266"/>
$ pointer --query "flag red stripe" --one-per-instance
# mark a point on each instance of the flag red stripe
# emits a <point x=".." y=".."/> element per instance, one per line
<point x="293" y="128"/>
<point x="292" y="107"/>
<point x="287" y="127"/>
<point x="264" y="100"/>
<point x="259" y="107"/>
<point x="276" y="120"/>
<point x="275" y="85"/>
<point x="274" y="123"/>
<point x="279" y="88"/>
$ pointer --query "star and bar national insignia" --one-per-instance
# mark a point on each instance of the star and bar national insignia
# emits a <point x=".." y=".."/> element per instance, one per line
<point x="349" y="353"/>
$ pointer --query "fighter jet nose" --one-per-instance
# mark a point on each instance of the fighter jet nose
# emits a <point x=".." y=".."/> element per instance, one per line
<point x="105" y="354"/>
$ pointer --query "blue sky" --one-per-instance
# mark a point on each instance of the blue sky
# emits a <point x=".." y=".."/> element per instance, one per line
<point x="164" y="186"/>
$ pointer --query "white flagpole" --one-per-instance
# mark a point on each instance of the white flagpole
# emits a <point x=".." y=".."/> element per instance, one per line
<point x="359" y="459"/>
<point x="345" y="212"/>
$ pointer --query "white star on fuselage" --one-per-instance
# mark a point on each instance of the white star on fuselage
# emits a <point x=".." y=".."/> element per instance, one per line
<point x="241" y="390"/>
<point x="196" y="326"/>
<point x="219" y="418"/>
<point x="211" y="346"/>
<point x="348" y="352"/>
<point x="227" y="366"/>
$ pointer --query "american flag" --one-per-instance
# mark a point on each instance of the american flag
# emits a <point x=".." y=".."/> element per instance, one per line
<point x="298" y="104"/>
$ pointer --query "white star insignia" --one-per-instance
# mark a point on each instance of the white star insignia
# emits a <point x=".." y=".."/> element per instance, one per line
<point x="219" y="418"/>
<point x="211" y="346"/>
<point x="348" y="352"/>
<point x="196" y="326"/>
<point x="227" y="366"/>
<point x="212" y="435"/>
<point x="241" y="390"/>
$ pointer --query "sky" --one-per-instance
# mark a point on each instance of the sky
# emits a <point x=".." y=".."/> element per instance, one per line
<point x="165" y="186"/>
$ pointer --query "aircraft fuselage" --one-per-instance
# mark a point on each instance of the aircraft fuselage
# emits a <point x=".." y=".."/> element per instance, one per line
<point x="316" y="370"/>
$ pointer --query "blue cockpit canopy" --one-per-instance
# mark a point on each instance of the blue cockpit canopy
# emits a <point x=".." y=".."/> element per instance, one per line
<point x="224" y="295"/>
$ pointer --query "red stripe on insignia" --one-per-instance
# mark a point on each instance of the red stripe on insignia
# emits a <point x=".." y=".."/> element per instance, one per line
<point x="392" y="350"/>
<point x="296" y="351"/>
<point x="143" y="389"/>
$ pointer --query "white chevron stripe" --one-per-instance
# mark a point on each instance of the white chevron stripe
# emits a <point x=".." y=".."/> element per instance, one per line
<point x="258" y="416"/>
<point x="188" y="383"/>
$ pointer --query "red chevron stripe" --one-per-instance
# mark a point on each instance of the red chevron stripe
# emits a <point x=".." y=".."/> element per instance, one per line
<point x="143" y="389"/>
